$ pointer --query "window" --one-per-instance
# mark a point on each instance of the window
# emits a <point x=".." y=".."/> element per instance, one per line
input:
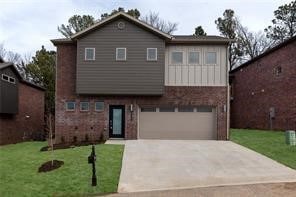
<point x="89" y="53"/>
<point x="151" y="54"/>
<point x="177" y="57"/>
<point x="185" y="109"/>
<point x="193" y="57"/>
<point x="5" y="77"/>
<point x="166" y="109"/>
<point x="84" y="106"/>
<point x="99" y="106"/>
<point x="204" y="109"/>
<point x="120" y="54"/>
<point x="8" y="78"/>
<point x="148" y="109"/>
<point x="70" y="106"/>
<point x="211" y="58"/>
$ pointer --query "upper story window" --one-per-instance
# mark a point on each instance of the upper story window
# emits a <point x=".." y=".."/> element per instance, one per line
<point x="84" y="106"/>
<point x="8" y="78"/>
<point x="193" y="57"/>
<point x="99" y="106"/>
<point x="177" y="57"/>
<point x="151" y="54"/>
<point x="89" y="53"/>
<point x="120" y="54"/>
<point x="211" y="58"/>
<point x="70" y="106"/>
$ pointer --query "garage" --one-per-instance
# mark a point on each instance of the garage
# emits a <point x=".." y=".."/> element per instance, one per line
<point x="179" y="123"/>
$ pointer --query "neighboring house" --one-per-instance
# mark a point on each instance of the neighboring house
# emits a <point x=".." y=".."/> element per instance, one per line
<point x="122" y="78"/>
<point x="264" y="90"/>
<point x="21" y="107"/>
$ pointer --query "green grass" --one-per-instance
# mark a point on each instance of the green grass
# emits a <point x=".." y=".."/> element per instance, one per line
<point x="19" y="175"/>
<point x="269" y="143"/>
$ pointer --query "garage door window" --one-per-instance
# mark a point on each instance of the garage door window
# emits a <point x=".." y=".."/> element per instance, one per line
<point x="166" y="109"/>
<point x="185" y="109"/>
<point x="148" y="109"/>
<point x="204" y="109"/>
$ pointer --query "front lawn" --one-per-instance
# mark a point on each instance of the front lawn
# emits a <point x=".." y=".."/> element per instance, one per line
<point x="19" y="175"/>
<point x="269" y="143"/>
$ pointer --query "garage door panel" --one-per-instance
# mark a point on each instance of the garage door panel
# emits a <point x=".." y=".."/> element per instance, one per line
<point x="177" y="125"/>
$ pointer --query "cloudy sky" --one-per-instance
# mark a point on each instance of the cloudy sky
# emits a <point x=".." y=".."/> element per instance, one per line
<point x="25" y="25"/>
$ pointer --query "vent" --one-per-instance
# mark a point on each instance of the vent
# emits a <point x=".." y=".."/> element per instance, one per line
<point x="121" y="25"/>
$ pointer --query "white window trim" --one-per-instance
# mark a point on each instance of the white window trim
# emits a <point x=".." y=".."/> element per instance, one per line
<point x="207" y="58"/>
<point x="8" y="78"/>
<point x="94" y="55"/>
<point x="155" y="55"/>
<point x="81" y="105"/>
<point x="199" y="57"/>
<point x="97" y="110"/>
<point x="67" y="105"/>
<point x="124" y="54"/>
<point x="171" y="59"/>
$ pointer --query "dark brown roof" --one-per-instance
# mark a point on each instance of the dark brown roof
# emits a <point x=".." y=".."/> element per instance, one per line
<point x="265" y="53"/>
<point x="22" y="80"/>
<point x="62" y="41"/>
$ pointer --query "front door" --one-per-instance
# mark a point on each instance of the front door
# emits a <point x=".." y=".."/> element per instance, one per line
<point x="116" y="121"/>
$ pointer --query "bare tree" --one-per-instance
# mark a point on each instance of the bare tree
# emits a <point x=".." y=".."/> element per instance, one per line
<point x="18" y="60"/>
<point x="252" y="44"/>
<point x="154" y="20"/>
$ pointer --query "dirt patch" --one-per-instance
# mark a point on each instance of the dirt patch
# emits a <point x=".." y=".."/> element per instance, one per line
<point x="72" y="145"/>
<point x="49" y="166"/>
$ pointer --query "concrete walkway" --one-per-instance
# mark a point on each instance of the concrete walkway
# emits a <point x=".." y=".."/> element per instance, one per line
<point x="175" y="164"/>
<point x="260" y="190"/>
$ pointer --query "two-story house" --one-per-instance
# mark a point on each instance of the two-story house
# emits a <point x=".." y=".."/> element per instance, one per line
<point x="264" y="90"/>
<point x="122" y="78"/>
<point x="21" y="107"/>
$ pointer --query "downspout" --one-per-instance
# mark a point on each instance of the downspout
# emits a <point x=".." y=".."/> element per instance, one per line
<point x="228" y="94"/>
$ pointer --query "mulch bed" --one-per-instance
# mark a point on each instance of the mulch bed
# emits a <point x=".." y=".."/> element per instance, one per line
<point x="47" y="166"/>
<point x="73" y="145"/>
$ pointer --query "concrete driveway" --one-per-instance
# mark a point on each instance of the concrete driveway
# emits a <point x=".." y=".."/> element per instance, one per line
<point x="174" y="164"/>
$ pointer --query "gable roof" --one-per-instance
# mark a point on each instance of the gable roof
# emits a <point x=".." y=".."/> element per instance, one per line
<point x="126" y="16"/>
<point x="22" y="80"/>
<point x="269" y="51"/>
<point x="176" y="39"/>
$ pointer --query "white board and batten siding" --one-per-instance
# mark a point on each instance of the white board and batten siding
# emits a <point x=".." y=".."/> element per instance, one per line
<point x="200" y="74"/>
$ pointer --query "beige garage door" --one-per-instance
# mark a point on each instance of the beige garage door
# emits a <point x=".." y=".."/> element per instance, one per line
<point x="196" y="123"/>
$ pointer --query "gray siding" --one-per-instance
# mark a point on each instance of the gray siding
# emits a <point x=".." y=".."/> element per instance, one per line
<point x="105" y="75"/>
<point x="8" y="93"/>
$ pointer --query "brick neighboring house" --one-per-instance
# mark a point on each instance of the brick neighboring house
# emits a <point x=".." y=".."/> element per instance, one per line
<point x="122" y="78"/>
<point x="264" y="90"/>
<point x="21" y="107"/>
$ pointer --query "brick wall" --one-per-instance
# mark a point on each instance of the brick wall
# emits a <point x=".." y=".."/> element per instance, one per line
<point x="257" y="88"/>
<point x="18" y="128"/>
<point x="70" y="124"/>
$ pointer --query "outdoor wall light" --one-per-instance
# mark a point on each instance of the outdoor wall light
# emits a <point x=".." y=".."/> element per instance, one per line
<point x="131" y="108"/>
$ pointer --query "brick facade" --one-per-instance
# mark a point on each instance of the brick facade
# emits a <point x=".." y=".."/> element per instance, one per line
<point x="18" y="128"/>
<point x="77" y="124"/>
<point x="259" y="86"/>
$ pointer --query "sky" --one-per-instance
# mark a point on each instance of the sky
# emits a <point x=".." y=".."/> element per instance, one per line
<point x="26" y="25"/>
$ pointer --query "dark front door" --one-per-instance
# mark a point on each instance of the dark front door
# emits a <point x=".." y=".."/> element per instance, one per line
<point x="116" y="121"/>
